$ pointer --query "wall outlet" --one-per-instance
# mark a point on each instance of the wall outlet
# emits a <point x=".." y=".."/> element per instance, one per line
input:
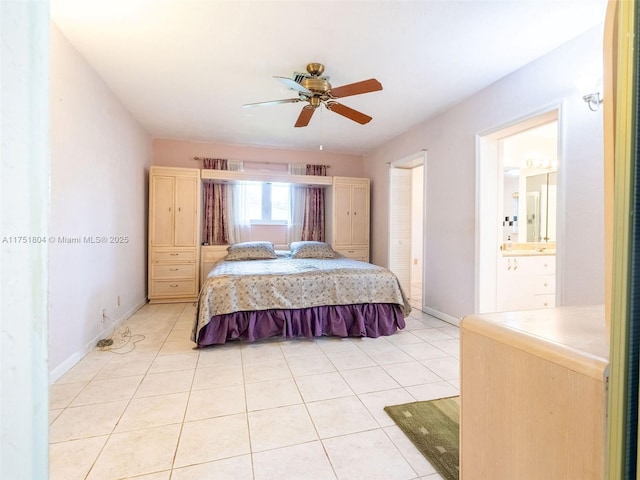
<point x="103" y="314"/>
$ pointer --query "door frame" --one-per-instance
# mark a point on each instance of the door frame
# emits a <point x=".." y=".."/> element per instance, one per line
<point x="416" y="159"/>
<point x="488" y="231"/>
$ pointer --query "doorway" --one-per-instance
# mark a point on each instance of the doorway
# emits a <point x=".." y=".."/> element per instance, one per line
<point x="406" y="224"/>
<point x="517" y="207"/>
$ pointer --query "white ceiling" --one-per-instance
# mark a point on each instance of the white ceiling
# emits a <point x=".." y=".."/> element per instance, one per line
<point x="184" y="68"/>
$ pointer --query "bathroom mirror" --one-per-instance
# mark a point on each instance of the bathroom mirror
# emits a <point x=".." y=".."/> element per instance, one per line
<point x="530" y="161"/>
<point x="541" y="207"/>
<point x="529" y="205"/>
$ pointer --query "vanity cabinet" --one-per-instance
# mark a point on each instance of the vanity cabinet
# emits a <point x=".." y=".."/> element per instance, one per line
<point x="174" y="221"/>
<point x="348" y="228"/>
<point x="526" y="282"/>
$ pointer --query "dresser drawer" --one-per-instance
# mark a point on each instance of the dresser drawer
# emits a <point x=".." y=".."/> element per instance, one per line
<point x="355" y="253"/>
<point x="173" y="255"/>
<point x="544" y="284"/>
<point x="173" y="288"/>
<point x="173" y="270"/>
<point x="544" y="301"/>
<point x="543" y="265"/>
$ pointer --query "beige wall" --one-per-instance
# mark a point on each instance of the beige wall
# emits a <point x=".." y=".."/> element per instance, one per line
<point x="100" y="157"/>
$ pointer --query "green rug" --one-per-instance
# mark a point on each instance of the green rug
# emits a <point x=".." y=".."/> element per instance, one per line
<point x="434" y="428"/>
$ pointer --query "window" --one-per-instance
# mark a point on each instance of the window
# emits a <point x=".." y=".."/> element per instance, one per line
<point x="268" y="203"/>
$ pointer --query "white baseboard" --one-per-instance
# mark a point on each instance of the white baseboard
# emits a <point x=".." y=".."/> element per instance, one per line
<point x="441" y="316"/>
<point x="65" y="366"/>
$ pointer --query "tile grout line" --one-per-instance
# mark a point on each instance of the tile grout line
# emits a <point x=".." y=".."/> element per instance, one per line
<point x="186" y="407"/>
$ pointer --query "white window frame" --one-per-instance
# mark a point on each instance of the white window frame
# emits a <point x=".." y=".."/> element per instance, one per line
<point x="267" y="207"/>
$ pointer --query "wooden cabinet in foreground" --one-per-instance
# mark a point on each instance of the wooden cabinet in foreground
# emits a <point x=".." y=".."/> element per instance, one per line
<point x="533" y="394"/>
<point x="174" y="232"/>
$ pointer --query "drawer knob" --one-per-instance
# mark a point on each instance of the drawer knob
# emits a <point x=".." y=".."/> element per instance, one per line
<point x="174" y="254"/>
<point x="176" y="269"/>
<point x="173" y="286"/>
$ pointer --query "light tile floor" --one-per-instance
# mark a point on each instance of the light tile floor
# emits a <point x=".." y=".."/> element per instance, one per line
<point x="276" y="409"/>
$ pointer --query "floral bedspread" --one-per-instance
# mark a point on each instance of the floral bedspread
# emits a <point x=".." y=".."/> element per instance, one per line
<point x="287" y="283"/>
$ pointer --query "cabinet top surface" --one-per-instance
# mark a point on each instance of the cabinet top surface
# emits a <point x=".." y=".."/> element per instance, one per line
<point x="179" y="171"/>
<point x="566" y="334"/>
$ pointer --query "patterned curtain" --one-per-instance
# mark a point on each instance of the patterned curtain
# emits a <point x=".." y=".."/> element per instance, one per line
<point x="216" y="223"/>
<point x="313" y="224"/>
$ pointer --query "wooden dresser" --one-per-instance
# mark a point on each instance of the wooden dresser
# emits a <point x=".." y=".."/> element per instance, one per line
<point x="533" y="394"/>
<point x="174" y="234"/>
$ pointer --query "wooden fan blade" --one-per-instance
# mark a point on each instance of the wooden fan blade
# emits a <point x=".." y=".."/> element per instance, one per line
<point x="305" y="116"/>
<point x="293" y="85"/>
<point x="348" y="112"/>
<point x="365" y="86"/>
<point x="272" y="102"/>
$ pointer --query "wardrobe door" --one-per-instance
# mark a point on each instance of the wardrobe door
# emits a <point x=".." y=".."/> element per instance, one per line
<point x="161" y="211"/>
<point x="360" y="214"/>
<point x="186" y="211"/>
<point x="342" y="214"/>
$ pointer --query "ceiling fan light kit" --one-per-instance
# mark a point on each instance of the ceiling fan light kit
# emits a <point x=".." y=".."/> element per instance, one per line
<point x="317" y="91"/>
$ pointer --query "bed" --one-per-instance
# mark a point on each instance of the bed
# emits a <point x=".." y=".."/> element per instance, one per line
<point x="309" y="291"/>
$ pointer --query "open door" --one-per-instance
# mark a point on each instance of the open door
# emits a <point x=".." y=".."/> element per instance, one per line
<point x="406" y="236"/>
<point x="400" y="226"/>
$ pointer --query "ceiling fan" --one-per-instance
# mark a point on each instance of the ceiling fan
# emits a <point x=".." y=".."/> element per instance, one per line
<point x="316" y="90"/>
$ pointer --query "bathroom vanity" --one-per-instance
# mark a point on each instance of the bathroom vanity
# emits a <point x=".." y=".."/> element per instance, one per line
<point x="526" y="274"/>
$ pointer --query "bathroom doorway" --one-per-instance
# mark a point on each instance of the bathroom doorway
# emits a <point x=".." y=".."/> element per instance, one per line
<point x="406" y="223"/>
<point x="517" y="208"/>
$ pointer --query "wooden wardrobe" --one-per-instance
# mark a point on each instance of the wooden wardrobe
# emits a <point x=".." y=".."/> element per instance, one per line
<point x="174" y="234"/>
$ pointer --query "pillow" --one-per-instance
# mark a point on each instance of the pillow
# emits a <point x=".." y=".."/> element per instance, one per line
<point x="311" y="250"/>
<point x="250" y="251"/>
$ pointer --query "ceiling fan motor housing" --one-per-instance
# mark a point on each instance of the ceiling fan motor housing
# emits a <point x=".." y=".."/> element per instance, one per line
<point x="316" y="85"/>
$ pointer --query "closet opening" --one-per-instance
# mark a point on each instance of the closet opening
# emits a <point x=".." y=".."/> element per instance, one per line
<point x="406" y="224"/>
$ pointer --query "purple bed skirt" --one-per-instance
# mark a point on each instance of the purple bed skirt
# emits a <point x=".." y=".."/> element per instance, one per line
<point x="362" y="320"/>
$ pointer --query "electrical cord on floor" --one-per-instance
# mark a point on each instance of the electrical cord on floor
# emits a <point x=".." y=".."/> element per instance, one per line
<point x="120" y="340"/>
